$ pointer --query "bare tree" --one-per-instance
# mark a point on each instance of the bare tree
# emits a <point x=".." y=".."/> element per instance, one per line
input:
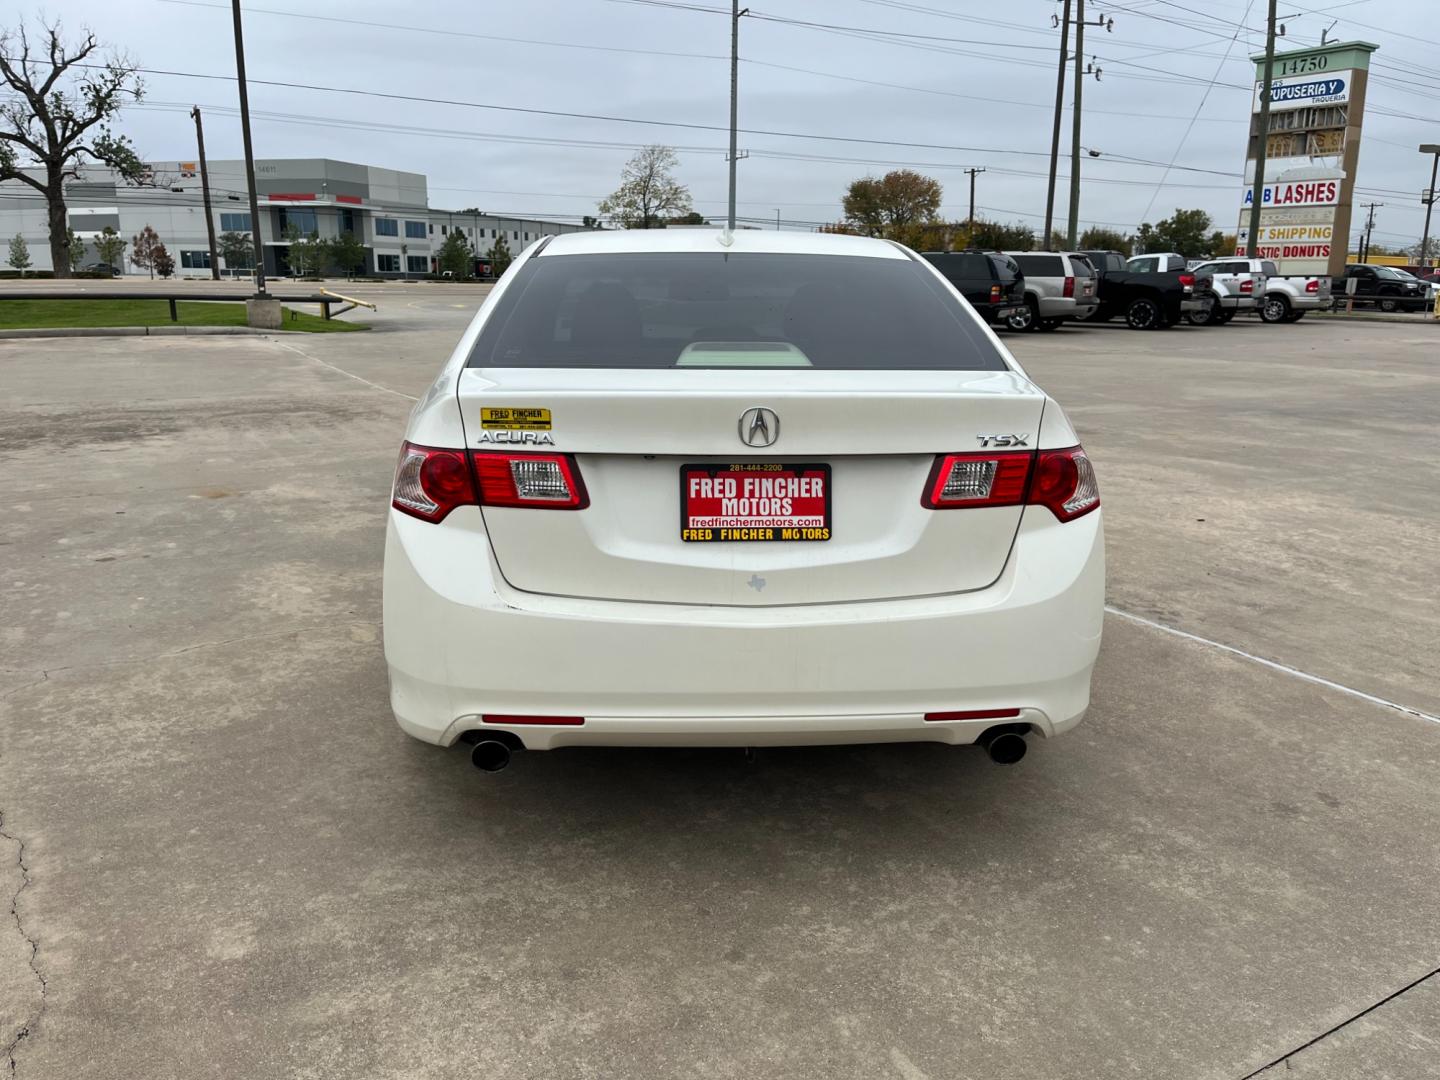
<point x="648" y="195"/>
<point x="59" y="118"/>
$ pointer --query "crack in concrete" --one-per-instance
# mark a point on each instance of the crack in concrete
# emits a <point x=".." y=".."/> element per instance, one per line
<point x="28" y="1028"/>
<point x="1284" y="1058"/>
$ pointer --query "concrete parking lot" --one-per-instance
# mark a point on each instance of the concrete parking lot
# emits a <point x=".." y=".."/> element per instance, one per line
<point x="226" y="860"/>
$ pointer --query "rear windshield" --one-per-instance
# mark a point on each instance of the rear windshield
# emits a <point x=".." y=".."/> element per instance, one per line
<point x="1269" y="269"/>
<point x="1041" y="265"/>
<point x="1006" y="267"/>
<point x="1081" y="265"/>
<point x="959" y="264"/>
<point x="714" y="310"/>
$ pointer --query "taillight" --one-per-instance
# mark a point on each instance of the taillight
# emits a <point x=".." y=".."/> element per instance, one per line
<point x="429" y="483"/>
<point x="1247" y="286"/>
<point x="965" y="480"/>
<point x="538" y="481"/>
<point x="1312" y="286"/>
<point x="1064" y="481"/>
<point x="1061" y="480"/>
<point x="994" y="294"/>
<point x="1069" y="286"/>
<point x="1188" y="280"/>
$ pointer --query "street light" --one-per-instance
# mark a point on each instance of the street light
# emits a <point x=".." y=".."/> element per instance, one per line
<point x="1429" y="148"/>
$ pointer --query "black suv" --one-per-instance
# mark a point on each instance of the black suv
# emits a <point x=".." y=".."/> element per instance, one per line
<point x="991" y="281"/>
<point x="1378" y="285"/>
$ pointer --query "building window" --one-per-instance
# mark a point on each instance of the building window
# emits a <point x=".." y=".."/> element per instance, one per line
<point x="492" y="234"/>
<point x="387" y="264"/>
<point x="442" y="230"/>
<point x="387" y="226"/>
<point x="515" y="234"/>
<point x="195" y="260"/>
<point x="415" y="230"/>
<point x="417" y="264"/>
<point x="304" y="220"/>
<point x="235" y="222"/>
<point x="347" y="221"/>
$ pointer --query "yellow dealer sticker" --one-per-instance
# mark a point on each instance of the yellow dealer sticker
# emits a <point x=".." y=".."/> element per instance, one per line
<point x="515" y="419"/>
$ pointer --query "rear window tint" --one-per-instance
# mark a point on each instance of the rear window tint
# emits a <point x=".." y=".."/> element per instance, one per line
<point x="1269" y="269"/>
<point x="959" y="264"/>
<point x="712" y="310"/>
<point x="1005" y="267"/>
<point x="1041" y="265"/>
<point x="1081" y="266"/>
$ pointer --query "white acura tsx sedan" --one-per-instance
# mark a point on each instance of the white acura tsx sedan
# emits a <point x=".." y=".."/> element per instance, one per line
<point x="689" y="487"/>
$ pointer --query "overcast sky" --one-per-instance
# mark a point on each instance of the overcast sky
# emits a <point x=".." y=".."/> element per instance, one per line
<point x="980" y="97"/>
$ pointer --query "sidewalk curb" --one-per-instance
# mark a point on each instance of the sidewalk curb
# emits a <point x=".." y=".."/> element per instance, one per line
<point x="144" y="331"/>
<point x="1400" y="320"/>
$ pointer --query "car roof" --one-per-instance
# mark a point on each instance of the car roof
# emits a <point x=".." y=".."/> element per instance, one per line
<point x="766" y="241"/>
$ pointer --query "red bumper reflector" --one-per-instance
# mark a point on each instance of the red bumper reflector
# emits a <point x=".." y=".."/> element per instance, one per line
<point x="548" y="721"/>
<point x="971" y="714"/>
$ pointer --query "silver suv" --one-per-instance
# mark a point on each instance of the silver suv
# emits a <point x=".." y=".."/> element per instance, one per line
<point x="1057" y="288"/>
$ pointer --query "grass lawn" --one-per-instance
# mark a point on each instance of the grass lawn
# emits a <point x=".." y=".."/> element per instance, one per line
<point x="33" y="314"/>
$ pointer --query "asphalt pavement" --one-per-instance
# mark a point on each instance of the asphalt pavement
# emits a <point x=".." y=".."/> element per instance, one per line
<point x="234" y="864"/>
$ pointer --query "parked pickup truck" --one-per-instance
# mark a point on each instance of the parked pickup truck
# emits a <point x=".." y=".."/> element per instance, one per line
<point x="1149" y="299"/>
<point x="1379" y="285"/>
<point x="1281" y="299"/>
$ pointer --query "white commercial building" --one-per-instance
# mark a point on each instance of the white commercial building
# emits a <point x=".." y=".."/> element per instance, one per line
<point x="385" y="209"/>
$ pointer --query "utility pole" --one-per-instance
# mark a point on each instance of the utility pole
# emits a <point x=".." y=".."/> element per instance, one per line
<point x="1059" y="107"/>
<point x="1429" y="148"/>
<point x="1369" y="228"/>
<point x="205" y="193"/>
<point x="735" y="12"/>
<point x="1073" y="228"/>
<point x="1262" y="147"/>
<point x="777" y="219"/>
<point x="973" y="173"/>
<point x="249" y="150"/>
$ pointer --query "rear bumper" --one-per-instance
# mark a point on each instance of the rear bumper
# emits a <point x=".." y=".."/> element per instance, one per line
<point x="460" y="643"/>
<point x="1067" y="307"/>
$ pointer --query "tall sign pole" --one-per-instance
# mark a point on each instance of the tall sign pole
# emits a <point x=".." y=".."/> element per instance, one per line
<point x="205" y="194"/>
<point x="1055" y="135"/>
<point x="1429" y="148"/>
<point x="1263" y="135"/>
<point x="1073" y="228"/>
<point x="250" y="152"/>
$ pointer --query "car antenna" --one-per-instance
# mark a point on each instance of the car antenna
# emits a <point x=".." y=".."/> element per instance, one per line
<point x="726" y="237"/>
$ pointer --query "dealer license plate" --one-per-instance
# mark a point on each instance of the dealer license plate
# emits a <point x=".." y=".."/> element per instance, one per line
<point x="754" y="502"/>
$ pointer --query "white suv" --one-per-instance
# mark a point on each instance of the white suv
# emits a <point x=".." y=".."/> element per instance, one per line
<point x="687" y="487"/>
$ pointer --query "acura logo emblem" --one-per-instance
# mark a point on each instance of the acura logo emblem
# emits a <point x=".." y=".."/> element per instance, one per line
<point x="759" y="427"/>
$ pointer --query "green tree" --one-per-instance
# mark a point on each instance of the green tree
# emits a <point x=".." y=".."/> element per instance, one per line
<point x="317" y="254"/>
<point x="456" y="256"/>
<point x="110" y="246"/>
<point x="691" y="218"/>
<point x="1221" y="243"/>
<point x="1186" y="232"/>
<point x="57" y="117"/>
<point x="499" y="256"/>
<point x="993" y="236"/>
<point x="75" y="246"/>
<point x="892" y="204"/>
<point x="237" y="249"/>
<point x="19" y="253"/>
<point x="1098" y="239"/>
<point x="348" y="253"/>
<point x="142" y="249"/>
<point x="648" y="194"/>
<point x="163" y="261"/>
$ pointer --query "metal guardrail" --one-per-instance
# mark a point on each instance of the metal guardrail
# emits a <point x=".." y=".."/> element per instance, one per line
<point x="325" y="300"/>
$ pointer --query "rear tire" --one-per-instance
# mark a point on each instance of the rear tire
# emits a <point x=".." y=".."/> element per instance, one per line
<point x="1295" y="316"/>
<point x="1389" y="303"/>
<point x="1276" y="308"/>
<point x="1224" y="315"/>
<point x="1049" y="324"/>
<point x="1144" y="314"/>
<point x="1205" y="317"/>
<point x="1025" y="318"/>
